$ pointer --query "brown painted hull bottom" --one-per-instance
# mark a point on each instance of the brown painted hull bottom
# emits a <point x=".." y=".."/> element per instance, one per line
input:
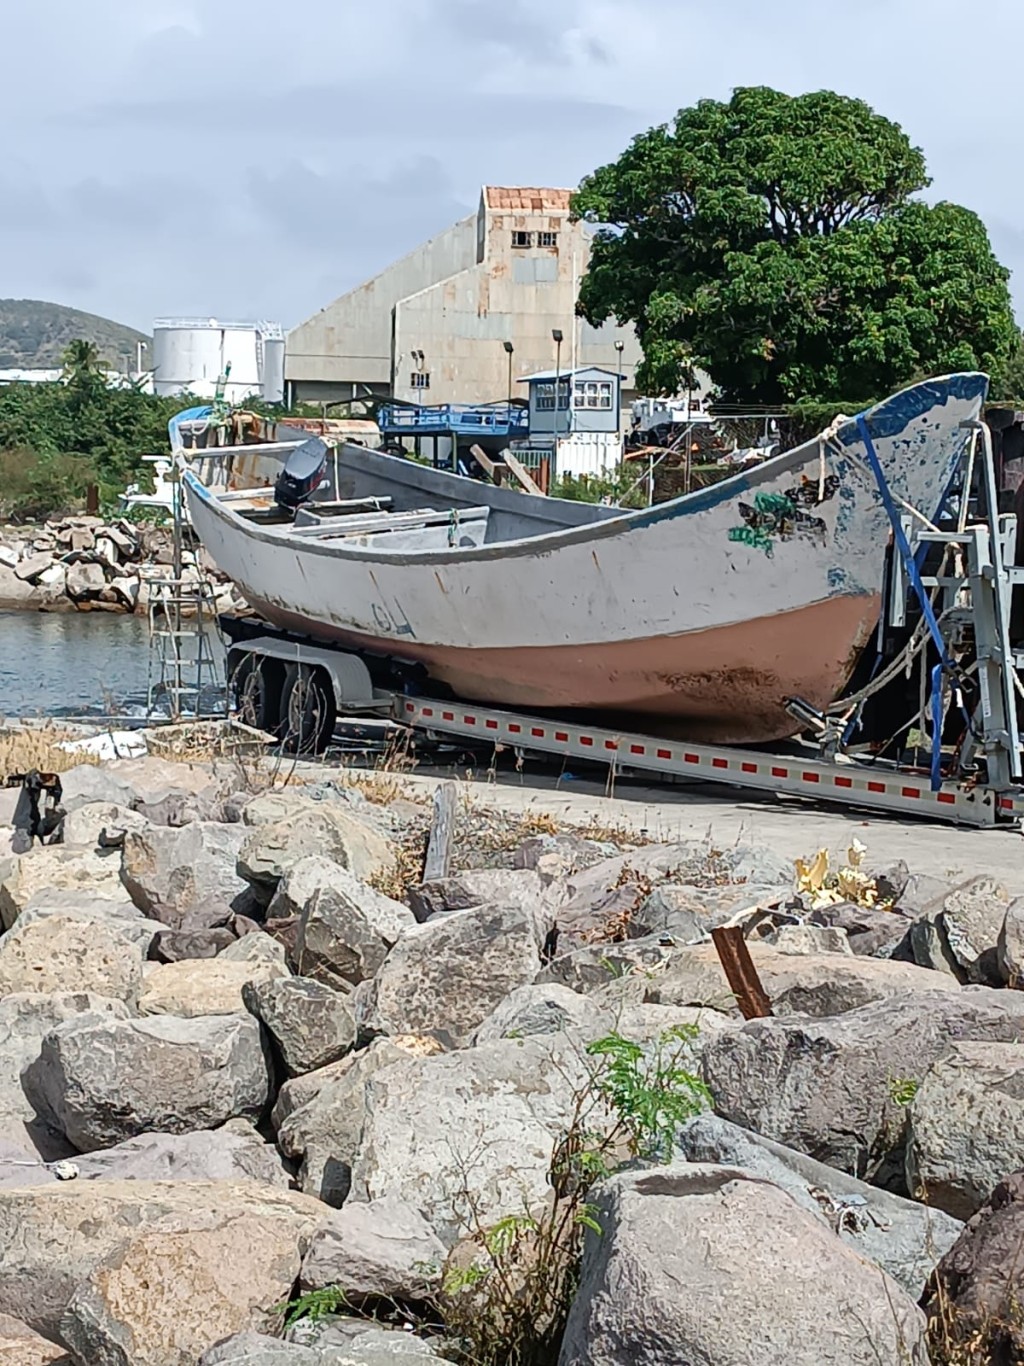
<point x="723" y="685"/>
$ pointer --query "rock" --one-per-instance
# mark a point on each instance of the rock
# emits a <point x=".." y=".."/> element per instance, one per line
<point x="20" y="1346"/>
<point x="928" y="946"/>
<point x="547" y="1009"/>
<point x="121" y="919"/>
<point x="974" y="1298"/>
<point x="16" y="594"/>
<point x="60" y="955"/>
<point x="959" y="933"/>
<point x="891" y="881"/>
<point x="88" y="822"/>
<point x="346" y="930"/>
<point x="558" y="856"/>
<point x="870" y="932"/>
<point x="451" y="973"/>
<point x="102" y="1082"/>
<point x="286" y="828"/>
<point x="87" y="784"/>
<point x="256" y="1349"/>
<point x="82" y="538"/>
<point x="255" y="948"/>
<point x="818" y="984"/>
<point x="319" y="1117"/>
<point x="1010" y="944"/>
<point x="810" y="939"/>
<point x="170" y="872"/>
<point x="300" y="884"/>
<point x="175" y="946"/>
<point x="48" y="869"/>
<point x="829" y="1087"/>
<point x="25" y="1020"/>
<point x="201" y="986"/>
<point x="85" y="579"/>
<point x="53" y="1238"/>
<point x="683" y="1272"/>
<point x="479" y="887"/>
<point x="477" y="1125"/>
<point x="900" y="1236"/>
<point x="966" y="1126"/>
<point x="597" y="966"/>
<point x="30" y="568"/>
<point x="381" y="1250"/>
<point x="359" y="1342"/>
<point x="311" y="1024"/>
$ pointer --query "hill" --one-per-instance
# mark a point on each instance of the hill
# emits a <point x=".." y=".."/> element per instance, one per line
<point x="34" y="334"/>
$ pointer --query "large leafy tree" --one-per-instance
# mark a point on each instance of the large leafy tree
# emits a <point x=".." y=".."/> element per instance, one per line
<point x="775" y="241"/>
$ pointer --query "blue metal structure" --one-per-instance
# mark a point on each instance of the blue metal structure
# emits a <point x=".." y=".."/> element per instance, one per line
<point x="499" y="421"/>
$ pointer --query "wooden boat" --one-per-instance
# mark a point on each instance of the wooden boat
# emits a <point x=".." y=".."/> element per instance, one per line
<point x="709" y="611"/>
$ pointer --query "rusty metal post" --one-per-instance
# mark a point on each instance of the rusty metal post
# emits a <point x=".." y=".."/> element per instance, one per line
<point x="740" y="972"/>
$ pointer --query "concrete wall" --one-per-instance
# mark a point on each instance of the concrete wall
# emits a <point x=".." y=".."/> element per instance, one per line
<point x="349" y="341"/>
<point x="458" y="299"/>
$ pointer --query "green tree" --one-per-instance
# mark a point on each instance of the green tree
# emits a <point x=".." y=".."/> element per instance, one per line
<point x="774" y="241"/>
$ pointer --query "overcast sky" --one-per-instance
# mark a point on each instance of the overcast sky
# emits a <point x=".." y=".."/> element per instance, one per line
<point x="255" y="158"/>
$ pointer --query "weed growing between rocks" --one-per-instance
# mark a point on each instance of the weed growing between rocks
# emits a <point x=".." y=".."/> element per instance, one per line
<point x="27" y="747"/>
<point x="508" y="1287"/>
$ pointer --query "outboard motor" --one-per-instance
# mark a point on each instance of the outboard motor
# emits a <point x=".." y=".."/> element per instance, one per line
<point x="303" y="473"/>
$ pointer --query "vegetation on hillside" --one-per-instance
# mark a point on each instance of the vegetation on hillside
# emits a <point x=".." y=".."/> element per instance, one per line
<point x="775" y="242"/>
<point x="35" y="335"/>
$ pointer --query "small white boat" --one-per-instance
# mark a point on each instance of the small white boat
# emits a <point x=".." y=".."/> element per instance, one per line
<point x="710" y="611"/>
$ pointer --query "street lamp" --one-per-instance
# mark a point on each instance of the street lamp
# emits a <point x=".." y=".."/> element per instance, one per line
<point x="509" y="349"/>
<point x="556" y="337"/>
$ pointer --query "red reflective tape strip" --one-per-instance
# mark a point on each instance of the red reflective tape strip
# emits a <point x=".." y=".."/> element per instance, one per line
<point x="876" y="787"/>
<point x="947" y="798"/>
<point x="911" y="792"/>
<point x="611" y="744"/>
<point x="410" y="706"/>
<point x="719" y="763"/>
<point x="749" y="768"/>
<point x="664" y="754"/>
<point x="584" y="739"/>
<point x="428" y="711"/>
<point x="691" y="758"/>
<point x="637" y="749"/>
<point x="447" y="716"/>
<point x="469" y="720"/>
<point x="491" y="725"/>
<point x="780" y="772"/>
<point x="1005" y="803"/>
<point x="561" y="735"/>
<point x="516" y="730"/>
<point x="811" y="777"/>
<point x="844" y="782"/>
<point x="537" y="732"/>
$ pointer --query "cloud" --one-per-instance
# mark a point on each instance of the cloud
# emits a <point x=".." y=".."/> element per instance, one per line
<point x="224" y="156"/>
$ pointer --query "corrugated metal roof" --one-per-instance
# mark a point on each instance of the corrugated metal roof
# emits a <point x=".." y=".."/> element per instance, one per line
<point x="568" y="373"/>
<point x="526" y="199"/>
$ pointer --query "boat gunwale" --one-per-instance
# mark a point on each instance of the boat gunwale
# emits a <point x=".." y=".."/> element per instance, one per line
<point x="602" y="529"/>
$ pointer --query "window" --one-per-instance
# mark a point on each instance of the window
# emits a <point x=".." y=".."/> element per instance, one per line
<point x="522" y="239"/>
<point x="593" y="394"/>
<point x="420" y="379"/>
<point x="546" y="396"/>
<point x="547" y="239"/>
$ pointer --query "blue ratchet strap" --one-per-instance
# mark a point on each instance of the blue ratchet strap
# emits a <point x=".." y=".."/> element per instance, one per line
<point x="914" y="575"/>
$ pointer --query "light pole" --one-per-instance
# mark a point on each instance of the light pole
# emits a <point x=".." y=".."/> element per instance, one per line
<point x="556" y="337"/>
<point x="509" y="349"/>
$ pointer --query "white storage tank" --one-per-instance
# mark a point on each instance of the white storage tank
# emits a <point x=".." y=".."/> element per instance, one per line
<point x="190" y="355"/>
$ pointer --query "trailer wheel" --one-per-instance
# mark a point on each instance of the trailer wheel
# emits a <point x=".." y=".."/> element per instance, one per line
<point x="257" y="685"/>
<point x="308" y="710"/>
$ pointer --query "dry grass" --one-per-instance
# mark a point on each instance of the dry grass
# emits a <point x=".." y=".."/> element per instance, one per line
<point x="26" y="747"/>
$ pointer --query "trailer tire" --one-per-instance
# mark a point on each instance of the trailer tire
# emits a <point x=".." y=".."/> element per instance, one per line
<point x="308" y="710"/>
<point x="257" y="685"/>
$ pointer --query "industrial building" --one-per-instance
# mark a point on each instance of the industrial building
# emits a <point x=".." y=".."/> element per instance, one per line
<point x="192" y="355"/>
<point x="466" y="315"/>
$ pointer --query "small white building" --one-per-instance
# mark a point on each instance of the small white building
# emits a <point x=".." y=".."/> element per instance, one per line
<point x="576" y="419"/>
<point x="465" y="315"/>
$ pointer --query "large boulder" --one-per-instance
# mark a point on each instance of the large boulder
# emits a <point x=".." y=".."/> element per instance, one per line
<point x="481" y="887"/>
<point x="974" y="1299"/>
<point x="902" y="1237"/>
<point x="203" y="986"/>
<point x="88" y="784"/>
<point x="545" y="1009"/>
<point x="966" y="1126"/>
<point x="60" y="955"/>
<point x="93" y="823"/>
<point x="34" y="877"/>
<point x="870" y="931"/>
<point x="346" y="930"/>
<point x="683" y="1272"/>
<point x="302" y="880"/>
<point x="311" y="1024"/>
<point x="1010" y="944"/>
<point x="55" y="1237"/>
<point x="450" y="973"/>
<point x="258" y="947"/>
<point x="206" y="1273"/>
<point x="383" y="1250"/>
<point x="833" y="1088"/>
<point x="121" y="918"/>
<point x="285" y="828"/>
<point x="25" y="1020"/>
<point x="959" y="932"/>
<point x="171" y="873"/>
<point x="20" y="1346"/>
<point x="102" y="1082"/>
<point x="319" y="1119"/>
<point x="259" y="1349"/>
<point x="468" y="1136"/>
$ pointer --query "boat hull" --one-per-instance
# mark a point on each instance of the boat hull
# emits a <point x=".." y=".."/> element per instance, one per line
<point x="707" y="613"/>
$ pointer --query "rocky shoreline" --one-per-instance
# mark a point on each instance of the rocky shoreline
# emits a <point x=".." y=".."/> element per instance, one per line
<point x="268" y="1098"/>
<point x="86" y="564"/>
